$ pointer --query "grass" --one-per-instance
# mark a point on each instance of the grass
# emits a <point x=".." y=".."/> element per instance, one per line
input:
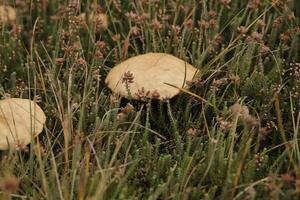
<point x="232" y="135"/>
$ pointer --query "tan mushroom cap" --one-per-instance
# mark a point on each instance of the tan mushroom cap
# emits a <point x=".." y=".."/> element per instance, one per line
<point x="7" y="14"/>
<point x="19" y="119"/>
<point x="150" y="73"/>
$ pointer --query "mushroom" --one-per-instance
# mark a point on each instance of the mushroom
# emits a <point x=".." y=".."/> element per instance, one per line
<point x="151" y="75"/>
<point x="7" y="15"/>
<point x="20" y="121"/>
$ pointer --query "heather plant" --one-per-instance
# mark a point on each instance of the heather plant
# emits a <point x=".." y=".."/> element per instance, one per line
<point x="232" y="135"/>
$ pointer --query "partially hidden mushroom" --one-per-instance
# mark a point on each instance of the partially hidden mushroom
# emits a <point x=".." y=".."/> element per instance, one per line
<point x="20" y="121"/>
<point x="151" y="75"/>
<point x="8" y="15"/>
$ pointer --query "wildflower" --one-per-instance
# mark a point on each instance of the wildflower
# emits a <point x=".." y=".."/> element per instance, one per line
<point x="116" y="37"/>
<point x="249" y="40"/>
<point x="264" y="131"/>
<point x="142" y="18"/>
<point x="197" y="82"/>
<point x="242" y="29"/>
<point x="155" y="24"/>
<point x="224" y="125"/>
<point x="135" y="30"/>
<point x="212" y="23"/>
<point x="291" y="16"/>
<point x="258" y="37"/>
<point x="117" y="5"/>
<point x="280" y="3"/>
<point x="217" y="83"/>
<point x="155" y="94"/>
<point x="113" y="99"/>
<point x="203" y="24"/>
<point x="99" y="54"/>
<point x="225" y="2"/>
<point x="141" y="94"/>
<point x="277" y="22"/>
<point x="217" y="41"/>
<point x="264" y="49"/>
<point x="192" y="132"/>
<point x="166" y="17"/>
<point x="254" y="4"/>
<point x="81" y="61"/>
<point x="100" y="44"/>
<point x="189" y="24"/>
<point x="128" y="77"/>
<point x="272" y="186"/>
<point x="96" y="74"/>
<point x="235" y="78"/>
<point x="59" y="61"/>
<point x="37" y="98"/>
<point x="74" y="4"/>
<point x="212" y="14"/>
<point x="285" y="37"/>
<point x="131" y="15"/>
<point x="176" y="29"/>
<point x="260" y="23"/>
<point x="127" y="109"/>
